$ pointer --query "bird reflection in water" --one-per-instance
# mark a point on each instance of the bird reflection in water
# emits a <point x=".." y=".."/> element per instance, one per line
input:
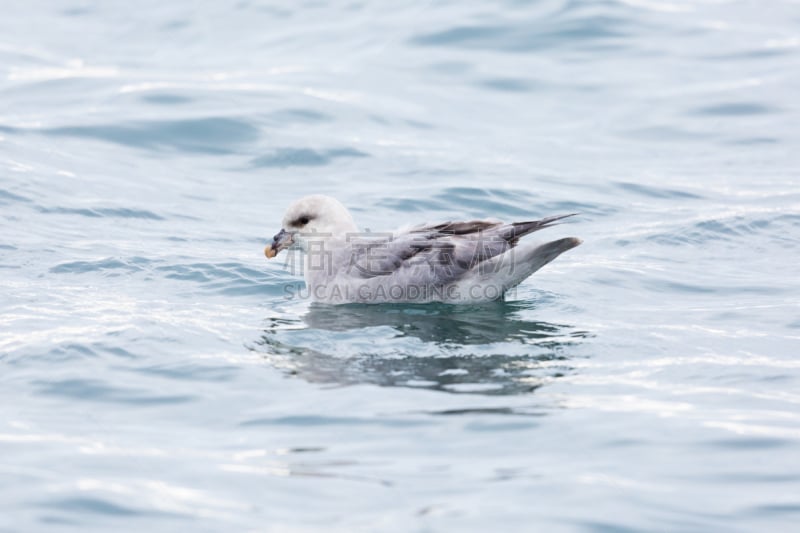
<point x="482" y="349"/>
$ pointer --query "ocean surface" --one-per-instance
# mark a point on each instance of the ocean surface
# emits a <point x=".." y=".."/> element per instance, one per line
<point x="158" y="374"/>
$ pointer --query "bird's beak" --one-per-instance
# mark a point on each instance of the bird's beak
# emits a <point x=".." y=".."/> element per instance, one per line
<point x="282" y="240"/>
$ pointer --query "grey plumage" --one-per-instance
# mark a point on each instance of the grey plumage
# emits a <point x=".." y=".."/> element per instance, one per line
<point x="441" y="253"/>
<point x="457" y="262"/>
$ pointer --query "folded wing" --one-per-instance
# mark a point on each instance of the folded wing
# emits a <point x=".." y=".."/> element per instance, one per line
<point x="438" y="254"/>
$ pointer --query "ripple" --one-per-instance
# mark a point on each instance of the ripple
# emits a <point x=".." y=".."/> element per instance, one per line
<point x="780" y="509"/>
<point x="7" y="198"/>
<point x="166" y="99"/>
<point x="85" y="506"/>
<point x="664" y="133"/>
<point x="751" y="443"/>
<point x="227" y="278"/>
<point x="724" y="229"/>
<point x="220" y="135"/>
<point x="512" y="85"/>
<point x="754" y="141"/>
<point x="656" y="192"/>
<point x="461" y="36"/>
<point x="733" y="109"/>
<point x="490" y="411"/>
<point x="301" y="116"/>
<point x="597" y="526"/>
<point x="191" y="372"/>
<point x="304" y="157"/>
<point x="69" y="350"/>
<point x="485" y="201"/>
<point x="93" y="506"/>
<point x="531" y="35"/>
<point x="410" y="204"/>
<point x="754" y="54"/>
<point x="347" y="421"/>
<point x="101" y="212"/>
<point x="472" y="201"/>
<point x="664" y="285"/>
<point x="110" y="266"/>
<point x="99" y="391"/>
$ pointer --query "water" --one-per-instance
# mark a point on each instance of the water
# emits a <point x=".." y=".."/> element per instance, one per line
<point x="157" y="375"/>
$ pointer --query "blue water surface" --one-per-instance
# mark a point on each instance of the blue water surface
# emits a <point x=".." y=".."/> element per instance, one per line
<point x="158" y="374"/>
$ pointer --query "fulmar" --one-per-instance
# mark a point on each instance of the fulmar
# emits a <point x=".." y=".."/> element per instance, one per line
<point x="452" y="262"/>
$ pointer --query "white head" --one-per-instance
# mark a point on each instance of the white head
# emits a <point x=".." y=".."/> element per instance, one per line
<point x="311" y="217"/>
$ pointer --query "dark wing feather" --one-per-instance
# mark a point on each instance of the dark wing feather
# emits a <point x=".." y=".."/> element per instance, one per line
<point x="457" y="228"/>
<point x="523" y="228"/>
<point x="439" y="253"/>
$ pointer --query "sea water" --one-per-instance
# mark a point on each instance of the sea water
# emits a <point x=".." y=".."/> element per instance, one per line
<point x="158" y="374"/>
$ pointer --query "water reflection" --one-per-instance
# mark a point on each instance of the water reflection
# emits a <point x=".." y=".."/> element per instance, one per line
<point x="485" y="349"/>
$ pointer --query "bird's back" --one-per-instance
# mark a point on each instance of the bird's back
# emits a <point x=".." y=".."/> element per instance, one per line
<point x="452" y="261"/>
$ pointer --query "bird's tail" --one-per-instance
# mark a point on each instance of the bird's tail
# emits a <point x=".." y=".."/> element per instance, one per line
<point x="513" y="266"/>
<point x="544" y="253"/>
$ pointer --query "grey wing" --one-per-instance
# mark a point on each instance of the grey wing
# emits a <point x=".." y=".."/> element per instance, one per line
<point x="438" y="254"/>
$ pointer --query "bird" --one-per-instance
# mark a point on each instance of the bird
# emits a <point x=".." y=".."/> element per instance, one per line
<point x="451" y="262"/>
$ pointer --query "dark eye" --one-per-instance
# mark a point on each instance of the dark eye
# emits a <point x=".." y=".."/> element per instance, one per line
<point x="301" y="221"/>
